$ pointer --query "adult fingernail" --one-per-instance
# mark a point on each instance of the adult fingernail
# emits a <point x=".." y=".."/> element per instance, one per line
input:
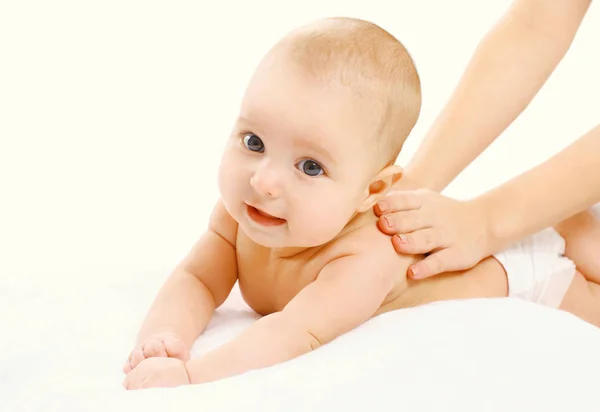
<point x="402" y="239"/>
<point x="389" y="223"/>
<point x="383" y="207"/>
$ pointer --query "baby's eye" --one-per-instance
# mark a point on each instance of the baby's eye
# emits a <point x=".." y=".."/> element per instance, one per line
<point x="253" y="142"/>
<point x="310" y="167"/>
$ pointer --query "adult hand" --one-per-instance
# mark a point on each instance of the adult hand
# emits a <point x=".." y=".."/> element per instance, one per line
<point x="454" y="234"/>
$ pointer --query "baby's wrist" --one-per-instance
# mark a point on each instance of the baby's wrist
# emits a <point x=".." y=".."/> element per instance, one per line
<point x="156" y="335"/>
<point x="196" y="372"/>
<point x="187" y="371"/>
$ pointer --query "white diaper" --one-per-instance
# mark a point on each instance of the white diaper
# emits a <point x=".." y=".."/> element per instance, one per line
<point x="536" y="270"/>
<point x="596" y="210"/>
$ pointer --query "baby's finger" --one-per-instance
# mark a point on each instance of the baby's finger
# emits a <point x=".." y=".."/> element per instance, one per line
<point x="145" y="383"/>
<point x="154" y="349"/>
<point x="399" y="200"/>
<point x="127" y="380"/>
<point x="136" y="357"/>
<point x="132" y="381"/>
<point x="421" y="241"/>
<point x="127" y="365"/>
<point x="175" y="348"/>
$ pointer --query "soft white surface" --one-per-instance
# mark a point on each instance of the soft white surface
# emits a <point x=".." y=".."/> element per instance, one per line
<point x="474" y="355"/>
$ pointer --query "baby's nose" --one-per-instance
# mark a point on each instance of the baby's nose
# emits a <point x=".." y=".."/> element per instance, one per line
<point x="266" y="182"/>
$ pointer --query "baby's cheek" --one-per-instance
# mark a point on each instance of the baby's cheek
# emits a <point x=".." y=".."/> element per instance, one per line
<point x="231" y="176"/>
<point x="223" y="176"/>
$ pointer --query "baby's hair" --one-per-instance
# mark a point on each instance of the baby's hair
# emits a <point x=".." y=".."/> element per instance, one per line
<point x="373" y="63"/>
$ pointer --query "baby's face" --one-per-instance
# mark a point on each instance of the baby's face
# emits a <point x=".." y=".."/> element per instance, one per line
<point x="299" y="160"/>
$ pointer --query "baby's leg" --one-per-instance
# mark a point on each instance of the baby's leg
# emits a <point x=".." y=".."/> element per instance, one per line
<point x="582" y="237"/>
<point x="583" y="299"/>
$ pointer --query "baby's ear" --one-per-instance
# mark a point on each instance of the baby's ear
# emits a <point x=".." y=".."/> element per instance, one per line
<point x="379" y="186"/>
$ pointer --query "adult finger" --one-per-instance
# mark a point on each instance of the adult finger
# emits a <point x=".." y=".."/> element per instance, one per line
<point x="420" y="241"/>
<point x="404" y="222"/>
<point x="399" y="200"/>
<point x="434" y="264"/>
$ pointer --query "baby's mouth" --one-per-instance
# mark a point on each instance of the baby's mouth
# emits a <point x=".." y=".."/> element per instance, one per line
<point x="263" y="218"/>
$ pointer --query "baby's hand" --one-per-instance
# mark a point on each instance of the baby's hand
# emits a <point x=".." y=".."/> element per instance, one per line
<point x="166" y="345"/>
<point x="157" y="372"/>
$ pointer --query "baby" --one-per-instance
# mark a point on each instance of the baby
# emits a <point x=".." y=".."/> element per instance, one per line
<point x="313" y="149"/>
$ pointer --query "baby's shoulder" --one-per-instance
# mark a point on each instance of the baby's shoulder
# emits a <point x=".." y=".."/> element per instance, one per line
<point x="369" y="243"/>
<point x="373" y="255"/>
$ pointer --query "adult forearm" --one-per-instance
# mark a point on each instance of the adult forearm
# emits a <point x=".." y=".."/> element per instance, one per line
<point x="555" y="190"/>
<point x="507" y="70"/>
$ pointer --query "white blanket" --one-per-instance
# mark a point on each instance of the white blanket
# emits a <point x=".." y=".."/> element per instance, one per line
<point x="497" y="354"/>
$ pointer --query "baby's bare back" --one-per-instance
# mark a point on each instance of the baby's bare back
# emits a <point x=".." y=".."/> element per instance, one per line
<point x="269" y="280"/>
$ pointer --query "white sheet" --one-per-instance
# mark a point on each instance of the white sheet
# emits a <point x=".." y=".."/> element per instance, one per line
<point x="475" y="355"/>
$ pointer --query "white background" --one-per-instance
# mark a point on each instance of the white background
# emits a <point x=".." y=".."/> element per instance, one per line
<point x="113" y="115"/>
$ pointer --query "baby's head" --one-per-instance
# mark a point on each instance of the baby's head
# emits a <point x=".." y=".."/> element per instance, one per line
<point x="320" y="126"/>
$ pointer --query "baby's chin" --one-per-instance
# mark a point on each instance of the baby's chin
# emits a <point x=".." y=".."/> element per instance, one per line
<point x="283" y="238"/>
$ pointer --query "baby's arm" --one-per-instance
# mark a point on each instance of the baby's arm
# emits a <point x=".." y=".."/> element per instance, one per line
<point x="346" y="293"/>
<point x="198" y="285"/>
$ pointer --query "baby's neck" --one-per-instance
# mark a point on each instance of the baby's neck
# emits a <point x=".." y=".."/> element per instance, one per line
<point x="356" y="222"/>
